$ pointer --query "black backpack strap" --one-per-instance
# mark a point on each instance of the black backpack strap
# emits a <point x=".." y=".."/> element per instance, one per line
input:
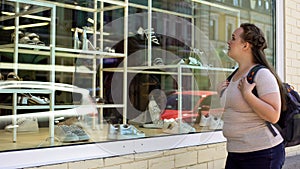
<point x="231" y="75"/>
<point x="228" y="79"/>
<point x="269" y="125"/>
<point x="251" y="75"/>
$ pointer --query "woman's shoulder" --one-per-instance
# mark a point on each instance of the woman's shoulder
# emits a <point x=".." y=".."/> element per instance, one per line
<point x="264" y="72"/>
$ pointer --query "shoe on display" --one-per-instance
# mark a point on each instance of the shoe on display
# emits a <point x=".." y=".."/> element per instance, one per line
<point x="154" y="109"/>
<point x="64" y="133"/>
<point x="113" y="130"/>
<point x="129" y="131"/>
<point x="216" y="123"/>
<point x="22" y="100"/>
<point x="35" y="99"/>
<point x="37" y="41"/>
<point x="123" y="131"/>
<point x="26" y="124"/>
<point x="171" y="126"/>
<point x="152" y="34"/>
<point x="141" y="119"/>
<point x="26" y="40"/>
<point x="82" y="135"/>
<point x="77" y="43"/>
<point x="109" y="50"/>
<point x="205" y="120"/>
<point x="148" y="33"/>
<point x="84" y="39"/>
<point x="156" y="125"/>
<point x="13" y="77"/>
<point x="34" y="38"/>
<point x="151" y="117"/>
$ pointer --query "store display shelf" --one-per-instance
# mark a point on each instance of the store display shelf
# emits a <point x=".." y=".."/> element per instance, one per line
<point x="38" y="87"/>
<point x="67" y="52"/>
<point x="60" y="52"/>
<point x="26" y="13"/>
<point x="166" y="69"/>
<point x="35" y="107"/>
<point x="40" y="67"/>
<point x="110" y="105"/>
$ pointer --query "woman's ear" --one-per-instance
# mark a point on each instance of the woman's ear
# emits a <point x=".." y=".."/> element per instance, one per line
<point x="246" y="45"/>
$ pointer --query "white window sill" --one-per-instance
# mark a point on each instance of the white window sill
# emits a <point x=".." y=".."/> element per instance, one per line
<point x="64" y="154"/>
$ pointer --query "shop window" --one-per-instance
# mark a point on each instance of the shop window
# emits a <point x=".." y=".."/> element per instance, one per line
<point x="105" y="84"/>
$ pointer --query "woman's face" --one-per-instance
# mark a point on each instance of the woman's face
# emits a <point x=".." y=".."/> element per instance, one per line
<point x="235" y="44"/>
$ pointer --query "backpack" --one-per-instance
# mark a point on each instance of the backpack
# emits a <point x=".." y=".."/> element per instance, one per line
<point x="289" y="121"/>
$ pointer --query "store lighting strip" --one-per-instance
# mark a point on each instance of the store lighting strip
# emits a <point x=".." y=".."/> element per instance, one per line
<point x="26" y="26"/>
<point x="28" y="16"/>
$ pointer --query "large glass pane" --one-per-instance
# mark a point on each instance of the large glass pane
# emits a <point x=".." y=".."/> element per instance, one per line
<point x="116" y="72"/>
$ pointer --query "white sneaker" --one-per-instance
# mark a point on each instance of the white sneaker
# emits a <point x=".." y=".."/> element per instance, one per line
<point x="113" y="131"/>
<point x="154" y="109"/>
<point x="64" y="133"/>
<point x="216" y="123"/>
<point x="171" y="126"/>
<point x="204" y="121"/>
<point x="129" y="131"/>
<point x="141" y="118"/>
<point x="26" y="124"/>
<point x="82" y="135"/>
<point x="123" y="131"/>
<point x="154" y="125"/>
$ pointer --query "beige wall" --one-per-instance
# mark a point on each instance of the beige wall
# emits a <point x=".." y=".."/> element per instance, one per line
<point x="292" y="42"/>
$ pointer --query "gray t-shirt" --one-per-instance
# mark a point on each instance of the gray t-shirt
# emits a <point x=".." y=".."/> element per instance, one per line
<point x="244" y="129"/>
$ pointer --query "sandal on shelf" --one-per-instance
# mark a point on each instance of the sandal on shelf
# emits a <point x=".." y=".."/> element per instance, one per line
<point x="35" y="38"/>
<point x="13" y="76"/>
<point x="35" y="100"/>
<point x="32" y="35"/>
<point x="26" y="40"/>
<point x="38" y="42"/>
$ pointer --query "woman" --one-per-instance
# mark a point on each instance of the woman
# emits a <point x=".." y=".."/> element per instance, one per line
<point x="250" y="143"/>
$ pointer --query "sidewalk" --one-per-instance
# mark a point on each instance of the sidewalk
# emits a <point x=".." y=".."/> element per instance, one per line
<point x="292" y="162"/>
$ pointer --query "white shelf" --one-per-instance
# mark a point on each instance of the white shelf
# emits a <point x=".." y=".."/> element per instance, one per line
<point x="110" y="106"/>
<point x="34" y="107"/>
<point x="59" y="51"/>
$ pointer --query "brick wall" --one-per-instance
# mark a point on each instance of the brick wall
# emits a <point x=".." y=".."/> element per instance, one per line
<point x="206" y="156"/>
<point x="292" y="42"/>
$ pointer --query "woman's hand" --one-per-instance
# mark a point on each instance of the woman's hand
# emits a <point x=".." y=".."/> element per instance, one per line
<point x="267" y="106"/>
<point x="222" y="86"/>
<point x="245" y="87"/>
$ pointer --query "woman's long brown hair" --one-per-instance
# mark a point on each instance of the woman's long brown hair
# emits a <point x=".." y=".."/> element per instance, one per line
<point x="253" y="35"/>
